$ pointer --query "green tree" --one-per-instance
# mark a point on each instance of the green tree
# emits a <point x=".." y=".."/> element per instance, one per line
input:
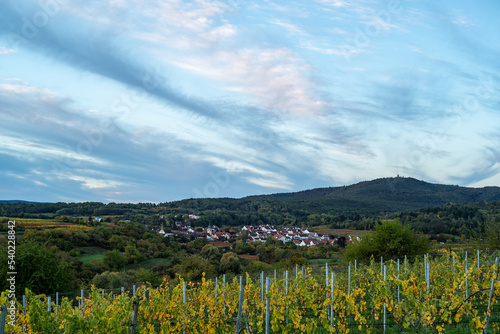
<point x="313" y="252"/>
<point x="193" y="267"/>
<point x="80" y="238"/>
<point x="257" y="267"/>
<point x="117" y="242"/>
<point x="242" y="247"/>
<point x="230" y="263"/>
<point x="113" y="280"/>
<point x="493" y="234"/>
<point x="390" y="239"/>
<point x="132" y="255"/>
<point x="114" y="259"/>
<point x="145" y="276"/>
<point x="270" y="241"/>
<point x="211" y="253"/>
<point x="38" y="269"/>
<point x="341" y="241"/>
<point x="296" y="259"/>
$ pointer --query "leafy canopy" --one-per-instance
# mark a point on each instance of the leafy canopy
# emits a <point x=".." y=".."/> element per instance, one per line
<point x="38" y="269"/>
<point x="390" y="239"/>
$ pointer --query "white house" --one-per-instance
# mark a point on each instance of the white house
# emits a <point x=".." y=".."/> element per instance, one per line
<point x="161" y="231"/>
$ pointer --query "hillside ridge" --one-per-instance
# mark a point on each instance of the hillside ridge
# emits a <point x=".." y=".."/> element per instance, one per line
<point x="375" y="197"/>
<point x="389" y="185"/>
<point x="389" y="194"/>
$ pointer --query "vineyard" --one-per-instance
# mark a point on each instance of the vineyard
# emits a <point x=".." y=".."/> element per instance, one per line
<point x="30" y="223"/>
<point x="448" y="293"/>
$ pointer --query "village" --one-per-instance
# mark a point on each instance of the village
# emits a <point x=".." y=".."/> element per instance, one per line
<point x="301" y="237"/>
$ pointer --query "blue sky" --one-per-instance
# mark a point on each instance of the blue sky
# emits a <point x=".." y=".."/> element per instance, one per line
<point x="151" y="101"/>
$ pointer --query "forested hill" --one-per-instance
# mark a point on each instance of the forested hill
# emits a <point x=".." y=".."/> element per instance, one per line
<point x="369" y="199"/>
<point x="401" y="189"/>
<point x="385" y="195"/>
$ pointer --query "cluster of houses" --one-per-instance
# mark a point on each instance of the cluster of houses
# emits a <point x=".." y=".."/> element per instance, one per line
<point x="211" y="233"/>
<point x="301" y="237"/>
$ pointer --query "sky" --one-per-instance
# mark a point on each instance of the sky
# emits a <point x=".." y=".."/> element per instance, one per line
<point x="155" y="101"/>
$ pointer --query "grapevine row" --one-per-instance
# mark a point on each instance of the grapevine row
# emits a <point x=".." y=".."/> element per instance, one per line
<point x="426" y="296"/>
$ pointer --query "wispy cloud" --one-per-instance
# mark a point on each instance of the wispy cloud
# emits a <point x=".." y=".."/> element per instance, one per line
<point x="6" y="51"/>
<point x="336" y="31"/>
<point x="463" y="21"/>
<point x="290" y="27"/>
<point x="275" y="79"/>
<point x="127" y="100"/>
<point x="335" y="3"/>
<point x="91" y="183"/>
<point x="101" y="56"/>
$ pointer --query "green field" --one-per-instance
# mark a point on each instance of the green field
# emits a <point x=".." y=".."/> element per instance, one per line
<point x="86" y="259"/>
<point x="87" y="254"/>
<point x="91" y="250"/>
<point x="148" y="264"/>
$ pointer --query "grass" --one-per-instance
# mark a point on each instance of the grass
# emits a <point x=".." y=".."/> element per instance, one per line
<point x="92" y="253"/>
<point x="87" y="254"/>
<point x="148" y="264"/>
<point x="86" y="259"/>
<point x="91" y="250"/>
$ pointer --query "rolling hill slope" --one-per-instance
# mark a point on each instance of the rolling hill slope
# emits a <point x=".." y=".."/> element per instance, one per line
<point x="385" y="195"/>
